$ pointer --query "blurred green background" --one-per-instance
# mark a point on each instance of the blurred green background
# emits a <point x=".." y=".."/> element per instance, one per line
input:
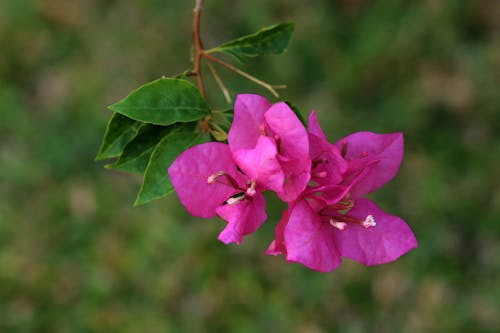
<point x="75" y="256"/>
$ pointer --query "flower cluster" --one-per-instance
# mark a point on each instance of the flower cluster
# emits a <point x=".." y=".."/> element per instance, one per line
<point x="323" y="184"/>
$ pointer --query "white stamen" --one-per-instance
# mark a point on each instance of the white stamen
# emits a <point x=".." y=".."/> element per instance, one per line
<point x="234" y="201"/>
<point x="369" y="222"/>
<point x="212" y="178"/>
<point x="338" y="225"/>
<point x="321" y="174"/>
<point x="251" y="188"/>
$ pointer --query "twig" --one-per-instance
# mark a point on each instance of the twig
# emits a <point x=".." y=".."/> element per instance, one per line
<point x="198" y="46"/>
<point x="242" y="73"/>
<point x="199" y="52"/>
<point x="221" y="85"/>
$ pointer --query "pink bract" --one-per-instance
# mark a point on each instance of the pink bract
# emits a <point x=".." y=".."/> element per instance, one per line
<point x="309" y="236"/>
<point x="208" y="182"/>
<point x="379" y="156"/>
<point x="261" y="165"/>
<point x="330" y="219"/>
<point x="248" y="120"/>
<point x="189" y="174"/>
<point x="387" y="241"/>
<point x="309" y="241"/>
<point x="243" y="218"/>
<point x="255" y="117"/>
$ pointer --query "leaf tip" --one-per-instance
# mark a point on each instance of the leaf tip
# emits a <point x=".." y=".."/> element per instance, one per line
<point x="110" y="166"/>
<point x="139" y="201"/>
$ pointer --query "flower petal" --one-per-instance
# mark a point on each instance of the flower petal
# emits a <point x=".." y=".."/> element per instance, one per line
<point x="292" y="135"/>
<point x="294" y="184"/>
<point x="383" y="153"/>
<point x="293" y="147"/>
<point x="309" y="240"/>
<point x="261" y="165"/>
<point x="248" y="121"/>
<point x="387" y="241"/>
<point x="189" y="174"/>
<point x="313" y="126"/>
<point x="243" y="218"/>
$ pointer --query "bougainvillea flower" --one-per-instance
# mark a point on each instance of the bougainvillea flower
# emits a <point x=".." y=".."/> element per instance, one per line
<point x="332" y="220"/>
<point x="318" y="235"/>
<point x="255" y="117"/>
<point x="209" y="183"/>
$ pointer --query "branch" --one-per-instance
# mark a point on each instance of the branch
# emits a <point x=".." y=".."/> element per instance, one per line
<point x="198" y="46"/>
<point x="221" y="85"/>
<point x="244" y="74"/>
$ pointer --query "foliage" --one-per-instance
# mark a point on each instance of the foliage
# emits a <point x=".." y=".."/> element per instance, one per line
<point x="270" y="40"/>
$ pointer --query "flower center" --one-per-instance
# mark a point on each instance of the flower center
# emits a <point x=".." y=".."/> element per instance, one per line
<point x="341" y="222"/>
<point x="321" y="173"/>
<point x="226" y="179"/>
<point x="223" y="178"/>
<point x="251" y="188"/>
<point x="337" y="215"/>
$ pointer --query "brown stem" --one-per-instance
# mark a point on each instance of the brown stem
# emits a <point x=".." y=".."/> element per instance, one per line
<point x="198" y="46"/>
<point x="242" y="73"/>
<point x="221" y="85"/>
<point x="199" y="52"/>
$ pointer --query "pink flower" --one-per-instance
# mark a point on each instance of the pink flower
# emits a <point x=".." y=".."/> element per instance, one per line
<point x="330" y="219"/>
<point x="255" y="117"/>
<point x="209" y="183"/>
<point x="268" y="150"/>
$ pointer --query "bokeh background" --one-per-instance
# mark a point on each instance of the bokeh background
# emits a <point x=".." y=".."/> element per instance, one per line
<point x="75" y="256"/>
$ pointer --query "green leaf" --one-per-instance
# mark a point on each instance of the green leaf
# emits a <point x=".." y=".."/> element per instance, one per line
<point x="119" y="131"/>
<point x="270" y="40"/>
<point x="156" y="181"/>
<point x="135" y="156"/>
<point x="163" y="102"/>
